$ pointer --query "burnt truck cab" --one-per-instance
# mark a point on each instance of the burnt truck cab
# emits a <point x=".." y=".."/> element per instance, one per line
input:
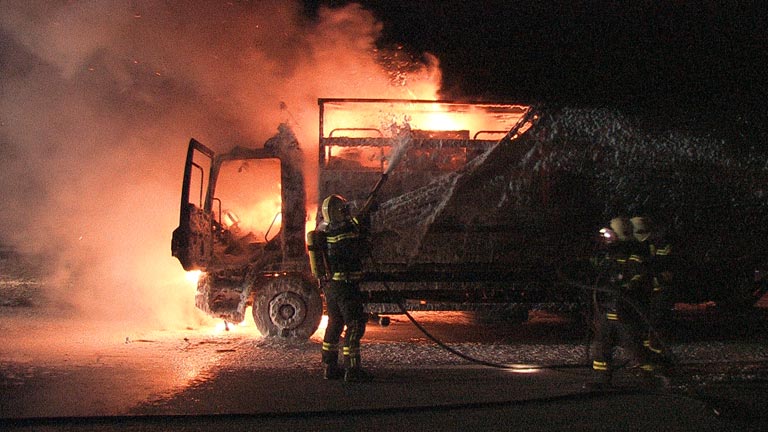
<point x="242" y="224"/>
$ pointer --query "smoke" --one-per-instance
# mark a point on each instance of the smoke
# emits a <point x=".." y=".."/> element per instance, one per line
<point x="99" y="99"/>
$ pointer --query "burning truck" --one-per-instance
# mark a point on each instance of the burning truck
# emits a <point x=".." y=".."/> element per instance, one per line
<point x="478" y="207"/>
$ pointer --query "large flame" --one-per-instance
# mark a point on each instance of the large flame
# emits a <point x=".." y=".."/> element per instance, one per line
<point x="400" y="121"/>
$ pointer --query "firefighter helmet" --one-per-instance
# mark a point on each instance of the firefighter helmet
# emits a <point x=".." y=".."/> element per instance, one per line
<point x="335" y="209"/>
<point x="641" y="227"/>
<point x="622" y="228"/>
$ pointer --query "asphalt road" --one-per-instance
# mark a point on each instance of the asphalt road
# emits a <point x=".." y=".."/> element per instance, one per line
<point x="211" y="379"/>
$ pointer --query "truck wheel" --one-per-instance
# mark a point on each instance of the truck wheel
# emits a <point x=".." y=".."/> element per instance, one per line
<point x="288" y="307"/>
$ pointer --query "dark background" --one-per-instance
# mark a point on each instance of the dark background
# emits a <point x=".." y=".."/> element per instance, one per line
<point x="694" y="65"/>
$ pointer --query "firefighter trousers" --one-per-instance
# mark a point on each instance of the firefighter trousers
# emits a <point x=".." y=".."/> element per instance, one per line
<point x="344" y="302"/>
<point x="660" y="316"/>
<point x="611" y="331"/>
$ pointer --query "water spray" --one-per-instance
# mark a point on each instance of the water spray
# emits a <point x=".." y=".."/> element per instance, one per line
<point x="400" y="144"/>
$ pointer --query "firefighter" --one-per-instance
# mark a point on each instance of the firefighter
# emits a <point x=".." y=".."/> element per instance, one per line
<point x="658" y="254"/>
<point x="344" y="248"/>
<point x="619" y="301"/>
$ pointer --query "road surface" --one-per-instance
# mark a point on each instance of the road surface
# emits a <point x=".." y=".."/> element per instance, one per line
<point x="84" y="377"/>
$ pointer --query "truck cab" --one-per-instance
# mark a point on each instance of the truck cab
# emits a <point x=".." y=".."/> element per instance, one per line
<point x="242" y="224"/>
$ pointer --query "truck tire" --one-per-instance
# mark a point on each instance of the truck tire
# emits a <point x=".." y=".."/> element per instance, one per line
<point x="287" y="307"/>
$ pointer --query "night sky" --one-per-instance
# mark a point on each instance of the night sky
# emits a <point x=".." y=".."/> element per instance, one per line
<point x="689" y="64"/>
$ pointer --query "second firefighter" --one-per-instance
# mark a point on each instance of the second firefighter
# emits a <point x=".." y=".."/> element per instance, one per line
<point x="621" y="305"/>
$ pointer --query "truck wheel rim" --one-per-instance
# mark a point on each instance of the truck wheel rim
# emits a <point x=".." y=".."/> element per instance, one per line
<point x="287" y="310"/>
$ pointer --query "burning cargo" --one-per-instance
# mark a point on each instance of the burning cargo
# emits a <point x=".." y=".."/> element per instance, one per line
<point x="483" y="207"/>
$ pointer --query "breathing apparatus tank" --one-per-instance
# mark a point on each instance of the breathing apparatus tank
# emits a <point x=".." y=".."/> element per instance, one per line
<point x="318" y="261"/>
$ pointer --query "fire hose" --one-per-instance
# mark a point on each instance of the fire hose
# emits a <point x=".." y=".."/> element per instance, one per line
<point x="400" y="147"/>
<point x="363" y="215"/>
<point x="572" y="283"/>
<point x="401" y="144"/>
<point x="713" y="405"/>
<point x="718" y="406"/>
<point x="721" y="407"/>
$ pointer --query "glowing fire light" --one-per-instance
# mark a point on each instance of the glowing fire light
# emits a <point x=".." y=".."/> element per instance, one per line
<point x="440" y="121"/>
<point x="320" y="332"/>
<point x="230" y="219"/>
<point x="251" y="192"/>
<point x="523" y="369"/>
<point x="380" y="117"/>
<point x="223" y="326"/>
<point x="193" y="276"/>
<point x="247" y="326"/>
<point x="383" y="124"/>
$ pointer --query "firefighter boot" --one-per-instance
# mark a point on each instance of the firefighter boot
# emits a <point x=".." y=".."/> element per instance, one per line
<point x="602" y="377"/>
<point x="601" y="381"/>
<point x="333" y="372"/>
<point x="654" y="378"/>
<point x="331" y="369"/>
<point x="355" y="373"/>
